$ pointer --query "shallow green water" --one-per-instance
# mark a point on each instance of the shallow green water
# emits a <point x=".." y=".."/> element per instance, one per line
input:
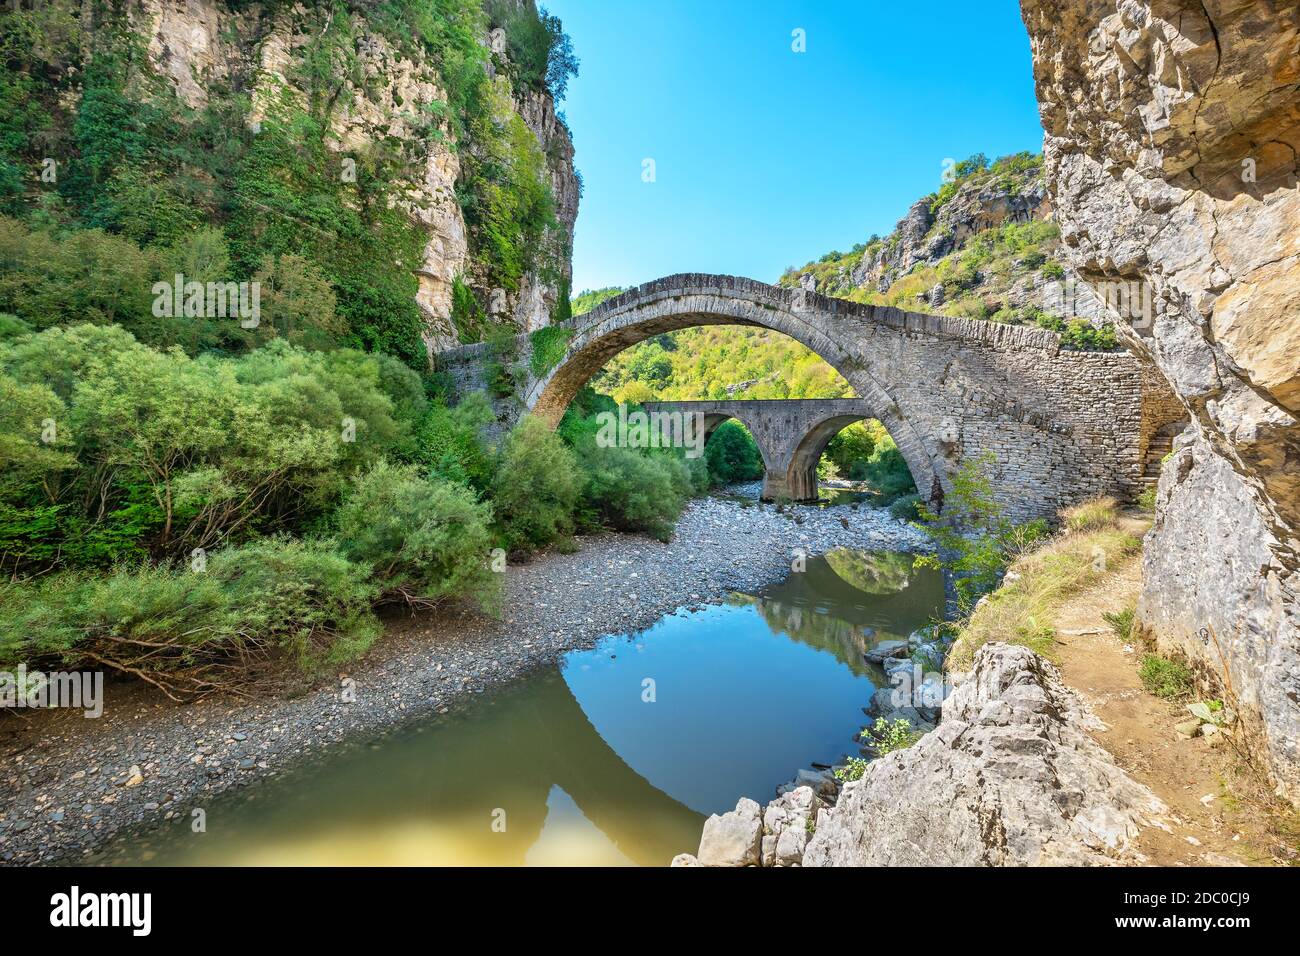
<point x="615" y="756"/>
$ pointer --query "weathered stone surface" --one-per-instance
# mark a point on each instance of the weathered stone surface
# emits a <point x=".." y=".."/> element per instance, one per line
<point x="733" y="838"/>
<point x="1010" y="777"/>
<point x="786" y="825"/>
<point x="1061" y="425"/>
<point x="1172" y="131"/>
<point x="886" y="649"/>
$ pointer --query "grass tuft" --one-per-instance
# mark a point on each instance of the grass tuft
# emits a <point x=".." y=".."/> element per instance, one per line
<point x="1097" y="514"/>
<point x="1164" y="678"/>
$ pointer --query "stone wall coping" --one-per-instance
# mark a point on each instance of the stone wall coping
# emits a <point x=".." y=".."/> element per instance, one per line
<point x="994" y="334"/>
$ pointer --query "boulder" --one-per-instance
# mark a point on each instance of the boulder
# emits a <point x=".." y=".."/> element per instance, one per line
<point x="734" y="838"/>
<point x="786" y="825"/>
<point x="790" y="846"/>
<point x="821" y="782"/>
<point x="885" y="650"/>
<point x="1011" y="777"/>
<point x="685" y="859"/>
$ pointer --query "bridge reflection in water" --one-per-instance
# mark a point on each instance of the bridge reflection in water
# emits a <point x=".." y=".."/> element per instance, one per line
<point x="584" y="769"/>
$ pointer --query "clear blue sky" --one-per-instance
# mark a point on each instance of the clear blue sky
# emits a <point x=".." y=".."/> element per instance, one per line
<point x="766" y="158"/>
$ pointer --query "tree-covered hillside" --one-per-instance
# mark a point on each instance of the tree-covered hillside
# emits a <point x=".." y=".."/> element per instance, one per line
<point x="262" y="169"/>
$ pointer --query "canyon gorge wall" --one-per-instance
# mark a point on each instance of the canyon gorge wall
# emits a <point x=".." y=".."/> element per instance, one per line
<point x="1171" y="136"/>
<point x="382" y="95"/>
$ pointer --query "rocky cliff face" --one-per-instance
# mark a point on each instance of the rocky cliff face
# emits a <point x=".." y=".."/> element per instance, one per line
<point x="1172" y="129"/>
<point x="954" y="253"/>
<point x="202" y="46"/>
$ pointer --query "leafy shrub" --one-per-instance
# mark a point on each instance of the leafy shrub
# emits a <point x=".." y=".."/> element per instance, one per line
<point x="974" y="538"/>
<point x="1081" y="335"/>
<point x="906" y="508"/>
<point x="175" y="453"/>
<point x="1147" y="500"/>
<point x="449" y="442"/>
<point x="11" y="326"/>
<point x="190" y="631"/>
<point x="300" y="597"/>
<point x="535" y="488"/>
<point x="631" y="491"/>
<point x="885" y="736"/>
<point x="853" y="769"/>
<point x="425" y="539"/>
<point x="1165" y="678"/>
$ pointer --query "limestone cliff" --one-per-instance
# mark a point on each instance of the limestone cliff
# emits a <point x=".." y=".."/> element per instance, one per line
<point x="382" y="94"/>
<point x="983" y="246"/>
<point x="1172" y="129"/>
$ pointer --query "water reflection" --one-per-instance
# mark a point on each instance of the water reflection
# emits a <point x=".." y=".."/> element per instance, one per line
<point x="612" y="758"/>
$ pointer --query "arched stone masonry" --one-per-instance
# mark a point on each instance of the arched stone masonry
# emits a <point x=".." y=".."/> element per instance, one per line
<point x="791" y="434"/>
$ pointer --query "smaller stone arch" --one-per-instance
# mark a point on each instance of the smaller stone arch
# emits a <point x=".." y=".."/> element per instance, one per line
<point x="801" y="473"/>
<point x="792" y="434"/>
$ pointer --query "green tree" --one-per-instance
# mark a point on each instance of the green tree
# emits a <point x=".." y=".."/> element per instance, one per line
<point x="536" y="486"/>
<point x="425" y="539"/>
<point x="733" y="455"/>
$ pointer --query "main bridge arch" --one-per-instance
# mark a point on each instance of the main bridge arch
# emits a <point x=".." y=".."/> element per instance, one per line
<point x="1061" y="425"/>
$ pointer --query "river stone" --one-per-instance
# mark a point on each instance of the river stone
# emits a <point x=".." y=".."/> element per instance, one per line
<point x="821" y="782"/>
<point x="1011" y="777"/>
<point x="882" y="702"/>
<point x="734" y="838"/>
<point x="790" y="846"/>
<point x="685" y="859"/>
<point x="886" y="649"/>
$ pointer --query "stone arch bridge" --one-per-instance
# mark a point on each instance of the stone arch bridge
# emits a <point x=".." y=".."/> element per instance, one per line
<point x="1061" y="425"/>
<point x="791" y="434"/>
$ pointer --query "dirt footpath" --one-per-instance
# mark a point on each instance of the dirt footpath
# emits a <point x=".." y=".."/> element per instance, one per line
<point x="1225" y="817"/>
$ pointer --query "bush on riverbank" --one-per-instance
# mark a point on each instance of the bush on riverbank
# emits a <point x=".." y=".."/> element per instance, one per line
<point x="222" y="513"/>
<point x="425" y="539"/>
<point x="190" y="629"/>
<point x="973" y="537"/>
<point x="536" y="487"/>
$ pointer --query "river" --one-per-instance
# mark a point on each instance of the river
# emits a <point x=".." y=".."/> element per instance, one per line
<point x="613" y="756"/>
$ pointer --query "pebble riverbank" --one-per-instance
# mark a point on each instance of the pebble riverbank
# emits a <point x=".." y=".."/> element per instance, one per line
<point x="71" y="784"/>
